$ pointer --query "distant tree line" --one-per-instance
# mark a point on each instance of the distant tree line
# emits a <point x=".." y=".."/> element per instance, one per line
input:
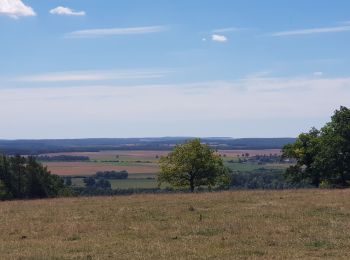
<point x="112" y="175"/>
<point x="37" y="147"/>
<point x="100" y="181"/>
<point x="62" y="158"/>
<point x="91" y="182"/>
<point x="259" y="159"/>
<point x="322" y="156"/>
<point x="24" y="178"/>
<point x="93" y="191"/>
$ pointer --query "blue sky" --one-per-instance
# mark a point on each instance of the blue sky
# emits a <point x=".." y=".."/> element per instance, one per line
<point x="132" y="68"/>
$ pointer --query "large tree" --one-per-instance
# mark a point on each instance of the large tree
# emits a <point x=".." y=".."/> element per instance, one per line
<point x="24" y="177"/>
<point x="322" y="156"/>
<point x="333" y="158"/>
<point x="304" y="151"/>
<point x="192" y="165"/>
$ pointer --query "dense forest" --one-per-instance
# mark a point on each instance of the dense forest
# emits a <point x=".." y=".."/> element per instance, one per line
<point x="112" y="175"/>
<point x="62" y="158"/>
<point x="25" y="178"/>
<point x="35" y="147"/>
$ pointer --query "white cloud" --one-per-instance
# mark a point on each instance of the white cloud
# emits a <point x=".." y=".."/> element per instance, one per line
<point x="92" y="33"/>
<point x="121" y="110"/>
<point x="15" y="9"/>
<point x="61" y="10"/>
<point x="93" y="76"/>
<point x="219" y="38"/>
<point x="258" y="98"/>
<point x="229" y="29"/>
<point x="312" y="31"/>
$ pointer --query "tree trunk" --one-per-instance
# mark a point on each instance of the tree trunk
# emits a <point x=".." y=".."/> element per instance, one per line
<point x="343" y="180"/>
<point x="192" y="184"/>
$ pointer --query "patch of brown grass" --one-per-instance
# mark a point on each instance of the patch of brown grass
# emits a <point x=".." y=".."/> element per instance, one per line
<point x="304" y="224"/>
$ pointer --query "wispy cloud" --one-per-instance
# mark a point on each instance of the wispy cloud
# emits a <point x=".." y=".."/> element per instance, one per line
<point x="335" y="29"/>
<point x="318" y="73"/>
<point x="345" y="22"/>
<point x="273" y="97"/>
<point x="219" y="38"/>
<point x="15" y="9"/>
<point x="259" y="74"/>
<point x="229" y="29"/>
<point x="61" y="10"/>
<point x="120" y="110"/>
<point x="93" y="76"/>
<point x="93" y="33"/>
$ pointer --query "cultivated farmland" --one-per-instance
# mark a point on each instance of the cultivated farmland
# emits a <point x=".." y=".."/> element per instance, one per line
<point x="135" y="162"/>
<point x="142" y="165"/>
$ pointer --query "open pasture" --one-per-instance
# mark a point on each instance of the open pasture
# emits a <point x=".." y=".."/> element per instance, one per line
<point x="292" y="224"/>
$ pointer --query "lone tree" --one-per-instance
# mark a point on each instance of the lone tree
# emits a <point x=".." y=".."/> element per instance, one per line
<point x="192" y="165"/>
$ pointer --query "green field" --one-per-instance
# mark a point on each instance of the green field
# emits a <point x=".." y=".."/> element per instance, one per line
<point x="146" y="181"/>
<point x="131" y="183"/>
<point x="293" y="224"/>
<point x="134" y="184"/>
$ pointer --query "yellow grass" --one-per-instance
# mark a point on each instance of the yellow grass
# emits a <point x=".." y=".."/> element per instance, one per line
<point x="305" y="224"/>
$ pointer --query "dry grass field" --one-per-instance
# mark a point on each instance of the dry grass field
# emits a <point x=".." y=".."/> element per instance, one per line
<point x="303" y="224"/>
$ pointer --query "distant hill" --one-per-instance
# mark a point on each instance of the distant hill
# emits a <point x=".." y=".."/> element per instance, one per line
<point x="162" y="143"/>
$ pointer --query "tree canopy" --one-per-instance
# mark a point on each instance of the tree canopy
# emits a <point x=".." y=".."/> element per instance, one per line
<point x="24" y="177"/>
<point x="192" y="165"/>
<point x="322" y="156"/>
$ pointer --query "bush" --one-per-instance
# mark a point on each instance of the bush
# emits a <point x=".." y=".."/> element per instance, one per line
<point x="112" y="175"/>
<point x="4" y="194"/>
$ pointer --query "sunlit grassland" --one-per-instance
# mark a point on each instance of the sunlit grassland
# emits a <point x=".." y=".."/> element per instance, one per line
<point x="134" y="184"/>
<point x="131" y="183"/>
<point x="228" y="225"/>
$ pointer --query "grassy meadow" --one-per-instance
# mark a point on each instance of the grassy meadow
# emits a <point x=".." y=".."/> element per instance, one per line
<point x="305" y="224"/>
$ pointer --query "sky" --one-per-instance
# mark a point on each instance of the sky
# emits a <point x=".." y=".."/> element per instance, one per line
<point x="205" y="68"/>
